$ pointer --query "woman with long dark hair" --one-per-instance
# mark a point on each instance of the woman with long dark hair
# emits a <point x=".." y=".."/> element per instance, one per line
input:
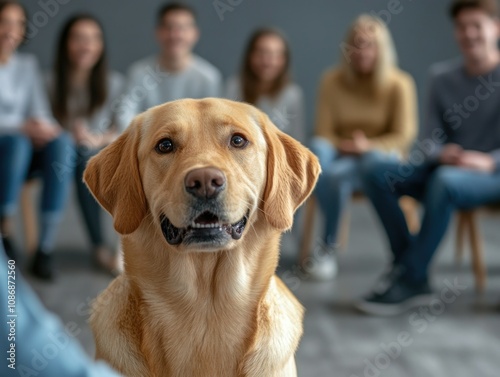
<point x="82" y="91"/>
<point x="31" y="141"/>
<point x="264" y="81"/>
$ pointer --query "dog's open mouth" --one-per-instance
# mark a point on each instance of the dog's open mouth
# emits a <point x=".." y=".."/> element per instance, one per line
<point x="206" y="228"/>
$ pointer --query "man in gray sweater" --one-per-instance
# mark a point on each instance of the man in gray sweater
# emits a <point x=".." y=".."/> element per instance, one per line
<point x="455" y="165"/>
<point x="174" y="73"/>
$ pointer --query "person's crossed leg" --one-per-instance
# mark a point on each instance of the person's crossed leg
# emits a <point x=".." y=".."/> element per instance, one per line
<point x="441" y="190"/>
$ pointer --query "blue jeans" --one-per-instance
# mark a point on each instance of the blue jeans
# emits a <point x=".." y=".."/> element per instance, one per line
<point x="441" y="190"/>
<point x="90" y="208"/>
<point x="54" y="163"/>
<point x="38" y="334"/>
<point x="341" y="177"/>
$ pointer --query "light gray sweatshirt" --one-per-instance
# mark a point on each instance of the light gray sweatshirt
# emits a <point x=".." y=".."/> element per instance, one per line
<point x="148" y="86"/>
<point x="286" y="111"/>
<point x="103" y="118"/>
<point x="22" y="94"/>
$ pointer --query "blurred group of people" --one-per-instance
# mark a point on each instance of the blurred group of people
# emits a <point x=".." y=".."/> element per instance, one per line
<point x="365" y="132"/>
<point x="51" y="125"/>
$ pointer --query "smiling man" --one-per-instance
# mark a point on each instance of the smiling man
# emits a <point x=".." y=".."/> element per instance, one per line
<point x="462" y="168"/>
<point x="175" y="72"/>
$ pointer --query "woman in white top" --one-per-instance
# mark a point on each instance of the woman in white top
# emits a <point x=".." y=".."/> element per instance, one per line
<point x="83" y="93"/>
<point x="264" y="81"/>
<point x="31" y="141"/>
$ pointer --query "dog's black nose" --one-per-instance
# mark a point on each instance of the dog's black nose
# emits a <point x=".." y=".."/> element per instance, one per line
<point x="205" y="183"/>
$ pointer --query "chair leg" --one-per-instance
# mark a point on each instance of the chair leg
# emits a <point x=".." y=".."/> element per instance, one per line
<point x="308" y="228"/>
<point x="477" y="252"/>
<point x="461" y="236"/>
<point x="409" y="206"/>
<point x="29" y="217"/>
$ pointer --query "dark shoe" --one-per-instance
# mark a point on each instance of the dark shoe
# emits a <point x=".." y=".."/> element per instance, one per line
<point x="9" y="248"/>
<point x="392" y="274"/>
<point x="400" y="296"/>
<point x="43" y="266"/>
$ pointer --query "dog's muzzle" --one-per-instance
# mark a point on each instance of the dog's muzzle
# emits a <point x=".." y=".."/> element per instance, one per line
<point x="206" y="229"/>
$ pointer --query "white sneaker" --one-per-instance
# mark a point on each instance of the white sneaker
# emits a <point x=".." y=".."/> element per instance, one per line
<point x="322" y="264"/>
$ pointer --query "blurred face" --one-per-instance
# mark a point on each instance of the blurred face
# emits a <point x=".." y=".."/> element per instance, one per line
<point x="12" y="29"/>
<point x="177" y="34"/>
<point x="85" y="44"/>
<point x="268" y="58"/>
<point x="365" y="52"/>
<point x="476" y="33"/>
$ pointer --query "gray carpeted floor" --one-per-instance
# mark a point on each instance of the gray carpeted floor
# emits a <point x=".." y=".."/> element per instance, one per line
<point x="458" y="339"/>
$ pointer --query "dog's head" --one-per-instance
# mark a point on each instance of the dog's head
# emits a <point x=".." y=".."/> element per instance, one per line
<point x="205" y="170"/>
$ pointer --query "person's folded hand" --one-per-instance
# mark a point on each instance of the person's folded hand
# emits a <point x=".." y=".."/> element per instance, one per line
<point x="83" y="136"/>
<point x="450" y="154"/>
<point x="40" y="131"/>
<point x="476" y="161"/>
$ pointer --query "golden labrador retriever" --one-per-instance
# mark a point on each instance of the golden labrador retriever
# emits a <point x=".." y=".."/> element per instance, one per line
<point x="200" y="191"/>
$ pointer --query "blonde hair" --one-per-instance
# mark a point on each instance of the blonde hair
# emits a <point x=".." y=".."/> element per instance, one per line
<point x="386" y="56"/>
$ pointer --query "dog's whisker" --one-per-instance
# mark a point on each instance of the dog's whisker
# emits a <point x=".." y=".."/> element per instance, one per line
<point x="251" y="185"/>
<point x="253" y="228"/>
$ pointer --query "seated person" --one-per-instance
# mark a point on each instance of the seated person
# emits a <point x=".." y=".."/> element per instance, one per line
<point x="37" y="331"/>
<point x="462" y="168"/>
<point x="175" y="72"/>
<point x="264" y="81"/>
<point x="82" y="91"/>
<point x="365" y="105"/>
<point x="30" y="140"/>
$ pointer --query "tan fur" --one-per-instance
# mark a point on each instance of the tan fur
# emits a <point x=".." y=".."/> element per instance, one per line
<point x="182" y="312"/>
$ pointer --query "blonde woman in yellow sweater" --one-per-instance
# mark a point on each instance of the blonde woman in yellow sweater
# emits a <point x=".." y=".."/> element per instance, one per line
<point x="366" y="107"/>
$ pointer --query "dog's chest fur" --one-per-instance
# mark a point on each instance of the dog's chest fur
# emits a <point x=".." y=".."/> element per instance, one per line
<point x="194" y="335"/>
<point x="190" y="326"/>
<point x="156" y="340"/>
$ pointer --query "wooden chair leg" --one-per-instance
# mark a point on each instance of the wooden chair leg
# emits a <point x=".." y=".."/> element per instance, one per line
<point x="308" y="228"/>
<point x="461" y="236"/>
<point x="409" y="206"/>
<point x="477" y="252"/>
<point x="29" y="216"/>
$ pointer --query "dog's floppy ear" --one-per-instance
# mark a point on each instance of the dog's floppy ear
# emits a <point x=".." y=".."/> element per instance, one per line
<point x="292" y="172"/>
<point x="113" y="178"/>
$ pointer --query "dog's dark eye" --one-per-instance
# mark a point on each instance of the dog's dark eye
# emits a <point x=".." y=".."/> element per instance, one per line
<point x="164" y="146"/>
<point x="238" y="141"/>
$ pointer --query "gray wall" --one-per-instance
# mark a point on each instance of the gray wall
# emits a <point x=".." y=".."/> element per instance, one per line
<point x="421" y="30"/>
